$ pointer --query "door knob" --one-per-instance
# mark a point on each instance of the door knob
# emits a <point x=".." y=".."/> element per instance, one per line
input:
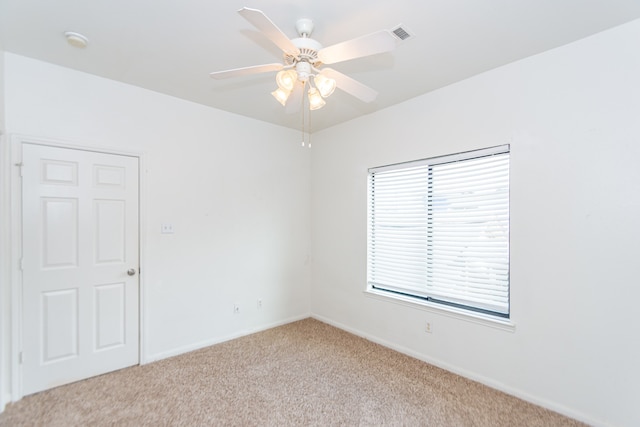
<point x="131" y="271"/>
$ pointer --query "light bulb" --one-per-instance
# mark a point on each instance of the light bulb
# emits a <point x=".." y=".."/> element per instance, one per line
<point x="325" y="85"/>
<point x="315" y="100"/>
<point x="286" y="79"/>
<point x="281" y="95"/>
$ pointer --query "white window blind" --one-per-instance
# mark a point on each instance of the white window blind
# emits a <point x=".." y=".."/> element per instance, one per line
<point x="439" y="230"/>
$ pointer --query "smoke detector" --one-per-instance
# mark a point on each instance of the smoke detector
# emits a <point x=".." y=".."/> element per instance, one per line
<point x="76" y="39"/>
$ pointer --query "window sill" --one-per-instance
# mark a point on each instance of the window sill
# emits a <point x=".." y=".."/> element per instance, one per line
<point x="477" y="318"/>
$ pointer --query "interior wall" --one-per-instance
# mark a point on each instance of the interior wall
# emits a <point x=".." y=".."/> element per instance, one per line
<point x="571" y="117"/>
<point x="5" y="249"/>
<point x="235" y="190"/>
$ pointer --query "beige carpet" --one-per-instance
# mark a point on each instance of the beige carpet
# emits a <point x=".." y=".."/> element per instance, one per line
<point x="303" y="373"/>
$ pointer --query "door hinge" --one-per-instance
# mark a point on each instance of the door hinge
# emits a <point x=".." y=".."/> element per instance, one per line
<point x="20" y="358"/>
<point x="21" y="264"/>
<point x="20" y="166"/>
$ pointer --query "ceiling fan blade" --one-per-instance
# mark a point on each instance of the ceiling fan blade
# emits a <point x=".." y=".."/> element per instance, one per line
<point x="378" y="42"/>
<point x="294" y="103"/>
<point x="351" y="86"/>
<point x="237" y="72"/>
<point x="259" y="20"/>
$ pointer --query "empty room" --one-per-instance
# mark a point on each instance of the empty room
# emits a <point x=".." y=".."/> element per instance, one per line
<point x="320" y="213"/>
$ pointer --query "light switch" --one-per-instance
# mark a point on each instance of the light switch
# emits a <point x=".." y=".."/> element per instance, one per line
<point x="166" y="229"/>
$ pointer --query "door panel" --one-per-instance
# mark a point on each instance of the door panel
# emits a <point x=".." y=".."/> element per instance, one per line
<point x="110" y="317"/>
<point x="59" y="232"/>
<point x="80" y="236"/>
<point x="110" y="231"/>
<point x="59" y="172"/>
<point x="59" y="325"/>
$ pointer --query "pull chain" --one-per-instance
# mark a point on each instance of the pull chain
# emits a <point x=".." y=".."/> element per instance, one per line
<point x="302" y="124"/>
<point x="304" y="108"/>
<point x="309" y="129"/>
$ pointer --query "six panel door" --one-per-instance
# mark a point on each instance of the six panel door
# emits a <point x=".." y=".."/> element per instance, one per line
<point x="80" y="265"/>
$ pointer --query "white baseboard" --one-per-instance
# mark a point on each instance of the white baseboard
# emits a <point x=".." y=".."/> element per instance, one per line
<point x="217" y="340"/>
<point x="467" y="374"/>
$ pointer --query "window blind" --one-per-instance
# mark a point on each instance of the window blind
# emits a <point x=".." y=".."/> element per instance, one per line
<point x="439" y="229"/>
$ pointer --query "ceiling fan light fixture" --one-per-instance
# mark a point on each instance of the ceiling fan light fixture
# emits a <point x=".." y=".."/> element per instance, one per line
<point x="281" y="95"/>
<point x="315" y="99"/>
<point x="325" y="85"/>
<point x="286" y="79"/>
<point x="304" y="55"/>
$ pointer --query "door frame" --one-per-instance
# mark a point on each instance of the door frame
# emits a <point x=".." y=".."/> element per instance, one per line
<point x="15" y="256"/>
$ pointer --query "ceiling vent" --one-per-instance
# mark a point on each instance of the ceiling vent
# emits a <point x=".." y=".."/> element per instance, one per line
<point x="402" y="33"/>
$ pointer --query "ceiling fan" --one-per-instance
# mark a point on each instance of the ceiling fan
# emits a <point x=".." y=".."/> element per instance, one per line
<point x="304" y="60"/>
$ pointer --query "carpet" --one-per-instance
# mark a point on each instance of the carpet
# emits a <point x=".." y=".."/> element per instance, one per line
<point x="305" y="373"/>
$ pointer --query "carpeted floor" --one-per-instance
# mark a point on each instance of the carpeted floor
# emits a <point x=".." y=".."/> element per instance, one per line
<point x="300" y="374"/>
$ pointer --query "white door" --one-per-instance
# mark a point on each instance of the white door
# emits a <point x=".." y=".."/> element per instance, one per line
<point x="80" y="265"/>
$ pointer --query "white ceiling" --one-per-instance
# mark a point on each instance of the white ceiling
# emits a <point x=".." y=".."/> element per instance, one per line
<point x="170" y="46"/>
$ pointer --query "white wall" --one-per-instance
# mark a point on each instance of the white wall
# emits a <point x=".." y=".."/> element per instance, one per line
<point x="5" y="249"/>
<point x="572" y="117"/>
<point x="236" y="191"/>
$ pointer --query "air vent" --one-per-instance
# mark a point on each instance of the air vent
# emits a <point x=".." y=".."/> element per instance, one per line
<point x="402" y="33"/>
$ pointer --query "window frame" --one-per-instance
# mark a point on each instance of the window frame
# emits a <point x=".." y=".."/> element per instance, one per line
<point x="421" y="297"/>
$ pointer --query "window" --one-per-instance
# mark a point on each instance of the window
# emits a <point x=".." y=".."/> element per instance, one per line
<point x="439" y="230"/>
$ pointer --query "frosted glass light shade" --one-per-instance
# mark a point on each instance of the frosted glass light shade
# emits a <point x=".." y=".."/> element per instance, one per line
<point x="286" y="79"/>
<point x="315" y="99"/>
<point x="325" y="85"/>
<point x="281" y="95"/>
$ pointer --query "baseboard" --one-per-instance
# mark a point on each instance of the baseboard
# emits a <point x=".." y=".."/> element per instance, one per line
<point x="217" y="340"/>
<point x="467" y="374"/>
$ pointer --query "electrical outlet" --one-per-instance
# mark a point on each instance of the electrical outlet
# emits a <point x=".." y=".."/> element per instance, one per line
<point x="259" y="303"/>
<point x="236" y="309"/>
<point x="427" y="328"/>
<point x="166" y="228"/>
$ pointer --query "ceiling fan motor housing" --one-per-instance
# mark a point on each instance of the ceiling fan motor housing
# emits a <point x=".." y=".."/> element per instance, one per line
<point x="308" y="51"/>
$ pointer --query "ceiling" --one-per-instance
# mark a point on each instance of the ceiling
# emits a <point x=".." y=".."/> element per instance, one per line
<point x="170" y="46"/>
